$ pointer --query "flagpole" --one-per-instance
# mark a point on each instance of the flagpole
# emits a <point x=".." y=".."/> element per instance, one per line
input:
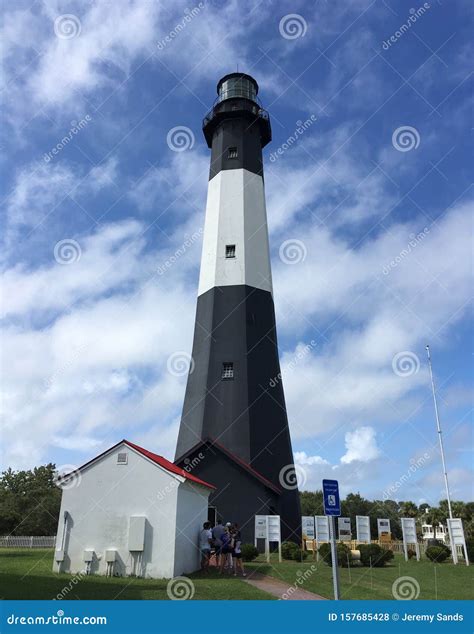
<point x="438" y="426"/>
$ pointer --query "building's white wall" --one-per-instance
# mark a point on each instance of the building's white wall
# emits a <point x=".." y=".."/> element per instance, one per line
<point x="235" y="214"/>
<point x="191" y="515"/>
<point x="100" y="507"/>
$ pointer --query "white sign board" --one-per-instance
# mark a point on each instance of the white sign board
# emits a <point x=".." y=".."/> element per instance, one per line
<point x="273" y="528"/>
<point x="456" y="537"/>
<point x="383" y="526"/>
<point x="363" y="529"/>
<point x="344" y="526"/>
<point x="307" y="526"/>
<point x="322" y="528"/>
<point x="260" y="527"/>
<point x="409" y="536"/>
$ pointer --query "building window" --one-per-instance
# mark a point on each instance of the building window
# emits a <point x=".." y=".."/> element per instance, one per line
<point x="232" y="153"/>
<point x="230" y="251"/>
<point x="122" y="458"/>
<point x="227" y="370"/>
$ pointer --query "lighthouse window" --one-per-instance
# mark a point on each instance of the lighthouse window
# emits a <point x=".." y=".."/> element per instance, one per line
<point x="232" y="153"/>
<point x="230" y="251"/>
<point x="227" y="370"/>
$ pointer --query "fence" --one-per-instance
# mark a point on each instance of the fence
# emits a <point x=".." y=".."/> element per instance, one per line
<point x="20" y="541"/>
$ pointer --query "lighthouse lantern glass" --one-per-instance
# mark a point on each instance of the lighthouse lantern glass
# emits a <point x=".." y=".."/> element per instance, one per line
<point x="237" y="87"/>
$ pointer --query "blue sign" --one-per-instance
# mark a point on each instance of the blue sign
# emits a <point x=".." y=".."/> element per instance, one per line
<point x="332" y="503"/>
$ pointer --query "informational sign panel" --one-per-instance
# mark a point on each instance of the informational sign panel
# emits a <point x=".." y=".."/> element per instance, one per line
<point x="307" y="526"/>
<point x="260" y="527"/>
<point x="363" y="529"/>
<point x="409" y="536"/>
<point x="344" y="526"/>
<point x="383" y="526"/>
<point x="273" y="528"/>
<point x="322" y="528"/>
<point x="456" y="537"/>
<point x="267" y="527"/>
<point x="332" y="503"/>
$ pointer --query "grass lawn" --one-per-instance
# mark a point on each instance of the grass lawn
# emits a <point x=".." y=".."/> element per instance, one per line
<point x="27" y="574"/>
<point x="436" y="581"/>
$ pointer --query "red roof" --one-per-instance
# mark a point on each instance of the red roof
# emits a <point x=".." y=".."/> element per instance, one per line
<point x="159" y="460"/>
<point x="166" y="464"/>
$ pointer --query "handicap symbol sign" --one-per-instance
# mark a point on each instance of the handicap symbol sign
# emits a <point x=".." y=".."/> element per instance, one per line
<point x="332" y="504"/>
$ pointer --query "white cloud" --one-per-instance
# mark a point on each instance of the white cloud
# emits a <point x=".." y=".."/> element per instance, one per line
<point x="361" y="445"/>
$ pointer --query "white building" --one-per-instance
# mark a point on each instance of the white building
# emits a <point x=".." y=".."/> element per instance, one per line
<point x="131" y="512"/>
<point x="439" y="532"/>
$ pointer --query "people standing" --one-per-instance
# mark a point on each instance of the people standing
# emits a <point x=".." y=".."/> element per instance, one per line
<point x="227" y="547"/>
<point x="237" y="554"/>
<point x="217" y="533"/>
<point x="205" y="537"/>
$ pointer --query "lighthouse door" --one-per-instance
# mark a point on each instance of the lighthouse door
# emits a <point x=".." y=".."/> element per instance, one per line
<point x="212" y="515"/>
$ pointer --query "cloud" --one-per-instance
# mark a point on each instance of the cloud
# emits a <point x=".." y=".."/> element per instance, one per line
<point x="361" y="445"/>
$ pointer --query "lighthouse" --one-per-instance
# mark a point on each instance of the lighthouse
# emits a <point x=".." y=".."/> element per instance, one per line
<point x="234" y="427"/>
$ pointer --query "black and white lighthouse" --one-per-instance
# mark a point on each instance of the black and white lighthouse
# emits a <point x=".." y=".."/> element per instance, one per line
<point x="234" y="427"/>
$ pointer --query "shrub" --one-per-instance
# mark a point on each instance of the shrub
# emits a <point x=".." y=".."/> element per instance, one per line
<point x="249" y="552"/>
<point x="470" y="549"/>
<point x="342" y="552"/>
<point x="291" y="550"/>
<point x="373" y="554"/>
<point x="411" y="553"/>
<point x="437" y="554"/>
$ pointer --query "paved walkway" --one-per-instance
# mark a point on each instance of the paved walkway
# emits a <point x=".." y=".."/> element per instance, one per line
<point x="281" y="589"/>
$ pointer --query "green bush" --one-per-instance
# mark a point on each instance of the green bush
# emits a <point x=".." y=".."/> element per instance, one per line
<point x="342" y="552"/>
<point x="373" y="554"/>
<point x="249" y="552"/>
<point x="290" y="550"/>
<point x="437" y="554"/>
<point x="470" y="549"/>
<point x="411" y="553"/>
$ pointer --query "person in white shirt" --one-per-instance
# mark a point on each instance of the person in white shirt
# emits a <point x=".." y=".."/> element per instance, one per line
<point x="205" y="537"/>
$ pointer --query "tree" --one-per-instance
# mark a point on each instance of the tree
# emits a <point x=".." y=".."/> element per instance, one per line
<point x="408" y="509"/>
<point x="30" y="501"/>
<point x="311" y="503"/>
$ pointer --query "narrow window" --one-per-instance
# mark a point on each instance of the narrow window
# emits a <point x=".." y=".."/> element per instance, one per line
<point x="232" y="153"/>
<point x="227" y="370"/>
<point x="230" y="251"/>
<point x="122" y="458"/>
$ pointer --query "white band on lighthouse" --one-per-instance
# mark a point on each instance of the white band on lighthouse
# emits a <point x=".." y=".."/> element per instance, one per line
<point x="235" y="217"/>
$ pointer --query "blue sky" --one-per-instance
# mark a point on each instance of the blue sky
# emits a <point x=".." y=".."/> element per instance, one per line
<point x="369" y="209"/>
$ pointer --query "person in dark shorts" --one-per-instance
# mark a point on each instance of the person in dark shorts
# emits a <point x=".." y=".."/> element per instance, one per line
<point x="217" y="533"/>
<point x="237" y="553"/>
<point x="226" y="553"/>
<point x="205" y="537"/>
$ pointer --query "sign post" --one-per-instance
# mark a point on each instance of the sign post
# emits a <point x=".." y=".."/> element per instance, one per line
<point x="332" y="508"/>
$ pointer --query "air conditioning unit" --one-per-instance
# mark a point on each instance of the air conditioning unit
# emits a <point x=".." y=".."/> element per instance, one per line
<point x="59" y="555"/>
<point x="88" y="556"/>
<point x="110" y="556"/>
